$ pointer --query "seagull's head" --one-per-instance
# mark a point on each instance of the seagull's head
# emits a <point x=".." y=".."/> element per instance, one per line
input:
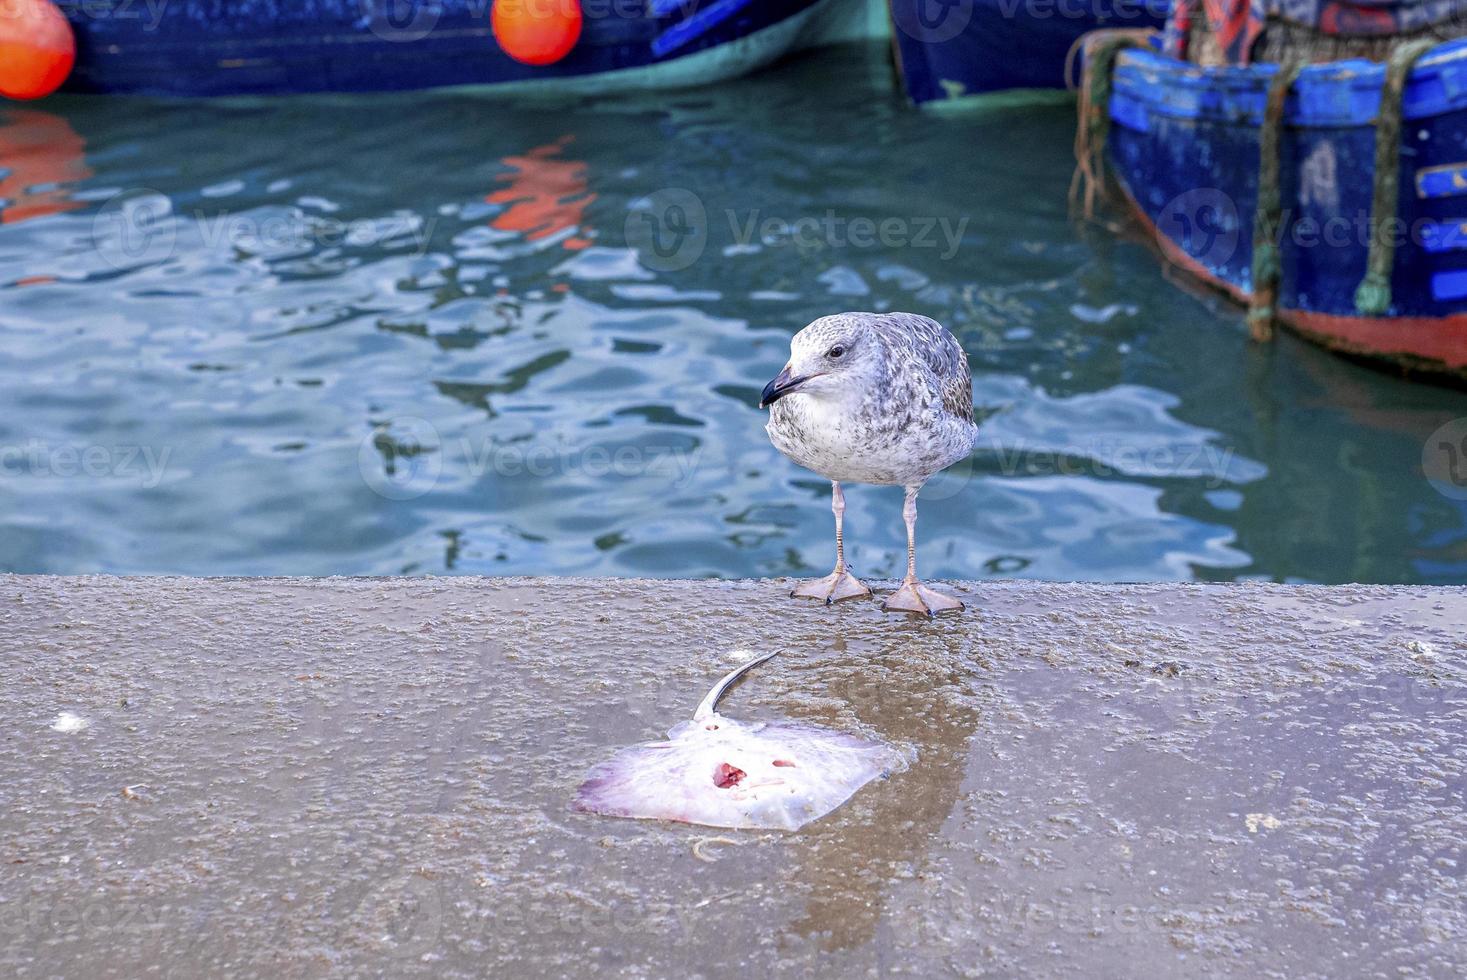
<point x="831" y="358"/>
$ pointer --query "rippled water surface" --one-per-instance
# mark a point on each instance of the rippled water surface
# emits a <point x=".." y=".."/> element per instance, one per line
<point x="443" y="333"/>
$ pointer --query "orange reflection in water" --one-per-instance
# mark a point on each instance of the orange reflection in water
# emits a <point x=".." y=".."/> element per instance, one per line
<point x="545" y="196"/>
<point x="37" y="150"/>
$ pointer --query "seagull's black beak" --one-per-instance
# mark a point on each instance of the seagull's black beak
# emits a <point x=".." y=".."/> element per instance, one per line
<point x="785" y="384"/>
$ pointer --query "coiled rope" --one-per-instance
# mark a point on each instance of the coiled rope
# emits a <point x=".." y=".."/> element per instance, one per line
<point x="1267" y="265"/>
<point x="1098" y="51"/>
<point x="1373" y="295"/>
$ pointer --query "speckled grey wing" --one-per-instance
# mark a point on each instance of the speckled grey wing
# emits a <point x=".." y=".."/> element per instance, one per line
<point x="929" y="342"/>
<point x="775" y="776"/>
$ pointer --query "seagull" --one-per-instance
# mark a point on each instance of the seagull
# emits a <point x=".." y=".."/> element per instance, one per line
<point x="883" y="398"/>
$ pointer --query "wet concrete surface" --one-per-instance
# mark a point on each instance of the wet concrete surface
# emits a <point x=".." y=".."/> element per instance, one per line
<point x="362" y="777"/>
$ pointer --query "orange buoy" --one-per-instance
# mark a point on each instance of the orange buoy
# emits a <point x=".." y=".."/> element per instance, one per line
<point x="37" y="49"/>
<point x="536" y="32"/>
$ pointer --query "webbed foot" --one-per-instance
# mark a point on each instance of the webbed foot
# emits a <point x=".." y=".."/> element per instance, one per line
<point x="914" y="597"/>
<point x="839" y="584"/>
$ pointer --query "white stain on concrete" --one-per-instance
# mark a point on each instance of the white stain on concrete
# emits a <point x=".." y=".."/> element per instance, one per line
<point x="68" y="723"/>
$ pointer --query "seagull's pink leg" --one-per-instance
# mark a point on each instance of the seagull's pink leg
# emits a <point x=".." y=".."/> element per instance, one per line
<point x="839" y="584"/>
<point x="913" y="596"/>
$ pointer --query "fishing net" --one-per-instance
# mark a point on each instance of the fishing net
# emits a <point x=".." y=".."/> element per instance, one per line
<point x="1240" y="32"/>
<point x="1282" y="40"/>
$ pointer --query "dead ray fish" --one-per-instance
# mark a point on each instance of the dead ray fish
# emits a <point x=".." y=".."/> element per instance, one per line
<point x="719" y="772"/>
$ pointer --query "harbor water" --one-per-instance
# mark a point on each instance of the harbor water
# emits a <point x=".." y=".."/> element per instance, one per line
<point x="446" y="333"/>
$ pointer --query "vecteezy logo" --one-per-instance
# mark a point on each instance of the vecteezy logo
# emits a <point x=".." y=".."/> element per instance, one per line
<point x="669" y="229"/>
<point x="1444" y="459"/>
<point x="401" y="459"/>
<point x="403" y="918"/>
<point x="135" y="228"/>
<point x="1204" y="223"/>
<point x="401" y="20"/>
<point x="932" y="21"/>
<point x="950" y="482"/>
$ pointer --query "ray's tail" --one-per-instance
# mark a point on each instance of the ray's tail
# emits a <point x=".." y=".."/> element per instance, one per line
<point x="732" y="677"/>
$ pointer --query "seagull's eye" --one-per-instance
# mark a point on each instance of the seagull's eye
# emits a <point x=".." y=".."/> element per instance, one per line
<point x="835" y="352"/>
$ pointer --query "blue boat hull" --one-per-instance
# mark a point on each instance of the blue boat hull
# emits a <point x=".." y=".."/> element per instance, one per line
<point x="1184" y="148"/>
<point x="954" y="48"/>
<point x="250" y="47"/>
